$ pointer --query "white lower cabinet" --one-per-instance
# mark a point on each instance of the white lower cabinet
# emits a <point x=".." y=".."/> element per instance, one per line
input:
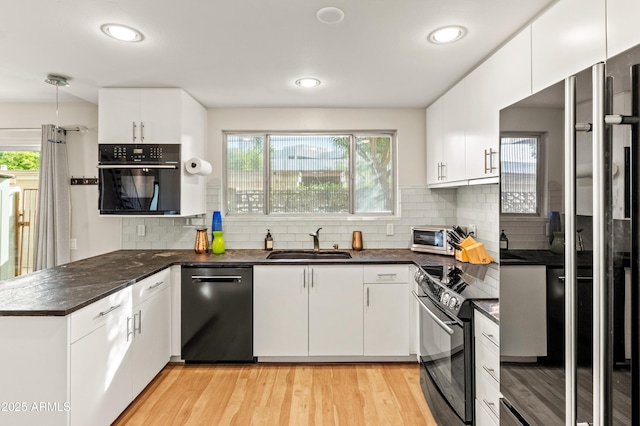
<point x="151" y="327"/>
<point x="280" y="311"/>
<point x="487" y="371"/>
<point x="386" y="311"/>
<point x="307" y="310"/>
<point x="101" y="361"/>
<point x="335" y="311"/>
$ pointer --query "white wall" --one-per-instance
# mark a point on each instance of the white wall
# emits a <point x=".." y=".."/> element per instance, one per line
<point x="94" y="235"/>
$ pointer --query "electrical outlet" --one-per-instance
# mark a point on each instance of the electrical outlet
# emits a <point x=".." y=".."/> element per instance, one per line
<point x="471" y="229"/>
<point x="73" y="244"/>
<point x="140" y="229"/>
<point x="389" y="228"/>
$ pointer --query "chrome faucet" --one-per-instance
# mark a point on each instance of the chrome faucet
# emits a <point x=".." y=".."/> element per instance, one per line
<point x="316" y="244"/>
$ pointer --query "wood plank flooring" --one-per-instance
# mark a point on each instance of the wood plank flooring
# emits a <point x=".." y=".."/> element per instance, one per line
<point x="282" y="394"/>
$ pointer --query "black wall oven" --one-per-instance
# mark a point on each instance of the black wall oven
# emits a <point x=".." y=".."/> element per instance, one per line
<point x="139" y="179"/>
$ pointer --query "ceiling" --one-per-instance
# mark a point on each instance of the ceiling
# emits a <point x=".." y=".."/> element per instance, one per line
<point x="248" y="53"/>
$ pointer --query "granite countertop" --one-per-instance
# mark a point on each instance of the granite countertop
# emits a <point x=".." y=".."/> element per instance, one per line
<point x="541" y="257"/>
<point x="64" y="289"/>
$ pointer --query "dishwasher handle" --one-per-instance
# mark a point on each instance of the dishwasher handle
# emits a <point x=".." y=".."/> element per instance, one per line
<point x="217" y="278"/>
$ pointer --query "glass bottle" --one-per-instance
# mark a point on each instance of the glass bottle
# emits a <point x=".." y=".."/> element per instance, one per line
<point x="504" y="241"/>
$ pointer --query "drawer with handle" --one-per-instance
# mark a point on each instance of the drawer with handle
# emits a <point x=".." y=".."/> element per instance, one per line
<point x="149" y="286"/>
<point x="386" y="274"/>
<point x="91" y="317"/>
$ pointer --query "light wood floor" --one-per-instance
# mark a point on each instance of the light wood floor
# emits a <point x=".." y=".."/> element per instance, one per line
<point x="282" y="394"/>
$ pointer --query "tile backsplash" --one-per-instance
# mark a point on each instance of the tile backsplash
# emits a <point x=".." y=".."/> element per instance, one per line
<point x="419" y="205"/>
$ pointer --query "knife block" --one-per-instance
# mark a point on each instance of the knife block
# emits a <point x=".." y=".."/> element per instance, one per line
<point x="473" y="252"/>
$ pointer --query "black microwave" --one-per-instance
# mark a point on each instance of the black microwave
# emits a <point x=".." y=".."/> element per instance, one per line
<point x="432" y="239"/>
<point x="139" y="179"/>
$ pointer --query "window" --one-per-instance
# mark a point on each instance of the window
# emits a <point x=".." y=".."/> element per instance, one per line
<point x="519" y="174"/>
<point x="299" y="173"/>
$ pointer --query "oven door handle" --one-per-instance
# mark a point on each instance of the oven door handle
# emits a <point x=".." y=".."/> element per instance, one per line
<point x="438" y="321"/>
<point x="137" y="166"/>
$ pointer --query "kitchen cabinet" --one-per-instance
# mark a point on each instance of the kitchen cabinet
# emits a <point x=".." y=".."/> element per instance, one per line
<point x="308" y="310"/>
<point x="489" y="88"/>
<point x="566" y="39"/>
<point x="523" y="325"/>
<point x="446" y="139"/>
<point x="101" y="370"/>
<point x="152" y="115"/>
<point x="152" y="328"/>
<point x="386" y="310"/>
<point x="335" y="310"/>
<point x="487" y="370"/>
<point x="622" y="21"/>
<point x="88" y="366"/>
<point x="119" y="344"/>
<point x="140" y="115"/>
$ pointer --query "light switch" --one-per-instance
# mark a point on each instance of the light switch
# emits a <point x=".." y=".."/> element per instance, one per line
<point x="140" y="230"/>
<point x="389" y="228"/>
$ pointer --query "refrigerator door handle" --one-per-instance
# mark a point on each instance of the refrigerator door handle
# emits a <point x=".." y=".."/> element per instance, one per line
<point x="570" y="249"/>
<point x="632" y="120"/>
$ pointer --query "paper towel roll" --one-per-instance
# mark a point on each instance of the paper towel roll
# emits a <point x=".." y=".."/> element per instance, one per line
<point x="198" y="166"/>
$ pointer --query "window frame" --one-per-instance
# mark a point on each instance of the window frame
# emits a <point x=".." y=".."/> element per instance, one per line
<point x="540" y="161"/>
<point x="266" y="163"/>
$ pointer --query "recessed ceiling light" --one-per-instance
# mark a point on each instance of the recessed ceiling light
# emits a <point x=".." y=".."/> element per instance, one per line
<point x="330" y="15"/>
<point x="122" y="32"/>
<point x="308" y="82"/>
<point x="447" y="34"/>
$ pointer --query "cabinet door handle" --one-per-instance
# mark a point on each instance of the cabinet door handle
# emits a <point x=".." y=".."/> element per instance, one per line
<point x="312" y="278"/>
<point x="156" y="285"/>
<point x="111" y="309"/>
<point x="491" y="372"/>
<point x="141" y="131"/>
<point x="133" y="128"/>
<point x="489" y="155"/>
<point x="139" y="315"/>
<point x="491" y="406"/>
<point x="304" y="278"/>
<point x="491" y="338"/>
<point x="387" y="275"/>
<point x="444" y="169"/>
<point x="129" y="333"/>
<point x="368" y="297"/>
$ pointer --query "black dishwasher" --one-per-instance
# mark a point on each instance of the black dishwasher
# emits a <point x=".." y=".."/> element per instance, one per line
<point x="217" y="314"/>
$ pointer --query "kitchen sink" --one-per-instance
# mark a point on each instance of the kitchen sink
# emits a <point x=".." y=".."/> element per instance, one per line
<point x="307" y="254"/>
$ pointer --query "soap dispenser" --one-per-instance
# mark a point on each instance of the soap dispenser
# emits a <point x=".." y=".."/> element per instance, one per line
<point x="504" y="241"/>
<point x="268" y="241"/>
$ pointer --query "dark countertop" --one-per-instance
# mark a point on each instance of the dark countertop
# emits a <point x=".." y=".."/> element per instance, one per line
<point x="64" y="289"/>
<point x="541" y="257"/>
<point x="490" y="309"/>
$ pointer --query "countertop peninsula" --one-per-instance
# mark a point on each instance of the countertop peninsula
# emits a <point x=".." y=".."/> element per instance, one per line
<point x="64" y="289"/>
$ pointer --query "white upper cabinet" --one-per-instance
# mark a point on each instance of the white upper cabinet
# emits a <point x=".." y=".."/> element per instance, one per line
<point x="622" y="25"/>
<point x="445" y="139"/>
<point x="568" y="38"/>
<point x="149" y="115"/>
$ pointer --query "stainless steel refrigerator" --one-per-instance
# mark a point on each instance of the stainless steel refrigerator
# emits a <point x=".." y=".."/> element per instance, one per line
<point x="589" y="371"/>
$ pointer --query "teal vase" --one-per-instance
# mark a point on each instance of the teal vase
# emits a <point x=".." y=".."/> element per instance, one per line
<point x="217" y="245"/>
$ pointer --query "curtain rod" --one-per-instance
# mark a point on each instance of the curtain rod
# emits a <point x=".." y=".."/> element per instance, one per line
<point x="81" y="129"/>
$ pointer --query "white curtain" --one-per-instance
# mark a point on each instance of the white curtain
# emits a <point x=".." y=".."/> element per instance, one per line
<point x="53" y="228"/>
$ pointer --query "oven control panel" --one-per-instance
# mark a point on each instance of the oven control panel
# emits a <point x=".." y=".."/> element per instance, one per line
<point x="442" y="293"/>
<point x="139" y="153"/>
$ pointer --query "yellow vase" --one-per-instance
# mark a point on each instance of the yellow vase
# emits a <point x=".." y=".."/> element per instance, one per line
<point x="217" y="245"/>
